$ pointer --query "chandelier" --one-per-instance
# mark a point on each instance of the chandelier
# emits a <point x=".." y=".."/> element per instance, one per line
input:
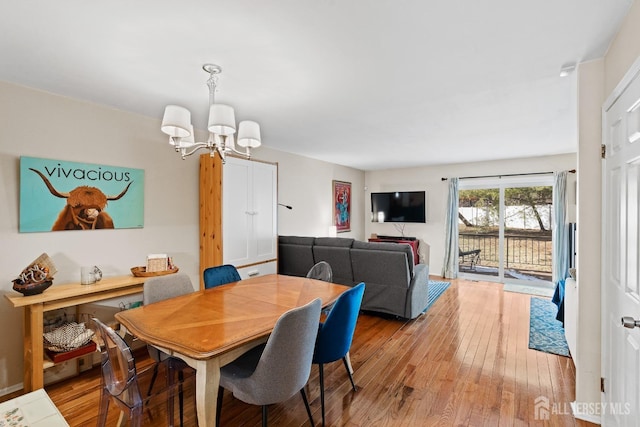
<point x="176" y="123"/>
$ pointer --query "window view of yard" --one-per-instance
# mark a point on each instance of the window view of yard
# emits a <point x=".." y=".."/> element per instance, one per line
<point x="527" y="232"/>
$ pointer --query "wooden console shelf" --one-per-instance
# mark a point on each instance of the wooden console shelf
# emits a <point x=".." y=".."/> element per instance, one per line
<point x="56" y="297"/>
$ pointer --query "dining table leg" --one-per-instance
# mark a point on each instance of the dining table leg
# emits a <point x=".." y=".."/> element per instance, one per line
<point x="207" y="382"/>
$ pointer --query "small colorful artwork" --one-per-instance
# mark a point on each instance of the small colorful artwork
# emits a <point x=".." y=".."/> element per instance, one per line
<point x="56" y="195"/>
<point x="342" y="206"/>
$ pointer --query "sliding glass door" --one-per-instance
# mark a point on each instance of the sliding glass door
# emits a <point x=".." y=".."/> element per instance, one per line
<point x="479" y="219"/>
<point x="505" y="229"/>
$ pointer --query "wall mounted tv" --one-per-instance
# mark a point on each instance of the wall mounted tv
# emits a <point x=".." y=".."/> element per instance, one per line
<point x="398" y="206"/>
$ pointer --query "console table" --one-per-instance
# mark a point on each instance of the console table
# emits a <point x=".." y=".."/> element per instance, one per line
<point x="56" y="297"/>
<point x="412" y="243"/>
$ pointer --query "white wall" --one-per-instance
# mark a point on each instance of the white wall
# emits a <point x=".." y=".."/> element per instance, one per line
<point x="39" y="124"/>
<point x="624" y="50"/>
<point x="306" y="185"/>
<point x="587" y="358"/>
<point x="597" y="80"/>
<point x="429" y="179"/>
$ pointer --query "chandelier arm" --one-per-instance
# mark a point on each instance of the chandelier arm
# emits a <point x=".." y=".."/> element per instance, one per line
<point x="246" y="153"/>
<point x="186" y="152"/>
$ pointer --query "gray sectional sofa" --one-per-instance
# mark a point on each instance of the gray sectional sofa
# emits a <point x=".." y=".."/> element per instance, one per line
<point x="393" y="284"/>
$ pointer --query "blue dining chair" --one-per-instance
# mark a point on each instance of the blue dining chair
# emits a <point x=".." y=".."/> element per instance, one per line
<point x="336" y="333"/>
<point x="219" y="275"/>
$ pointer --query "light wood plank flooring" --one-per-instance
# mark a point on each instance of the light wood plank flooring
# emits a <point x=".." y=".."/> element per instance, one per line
<point x="466" y="362"/>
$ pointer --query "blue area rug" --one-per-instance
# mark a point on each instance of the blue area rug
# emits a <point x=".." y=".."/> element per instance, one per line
<point x="435" y="290"/>
<point x="545" y="332"/>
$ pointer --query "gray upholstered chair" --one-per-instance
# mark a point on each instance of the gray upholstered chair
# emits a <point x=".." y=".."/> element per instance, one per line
<point x="157" y="289"/>
<point x="163" y="287"/>
<point x="321" y="271"/>
<point x="280" y="368"/>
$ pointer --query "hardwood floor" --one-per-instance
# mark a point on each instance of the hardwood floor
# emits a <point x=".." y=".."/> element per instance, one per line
<point x="466" y="362"/>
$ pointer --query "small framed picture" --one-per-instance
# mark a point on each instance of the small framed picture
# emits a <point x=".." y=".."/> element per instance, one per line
<point x="342" y="206"/>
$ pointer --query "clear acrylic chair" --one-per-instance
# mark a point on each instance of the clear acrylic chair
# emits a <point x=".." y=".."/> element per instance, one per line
<point x="121" y="381"/>
<point x="321" y="271"/>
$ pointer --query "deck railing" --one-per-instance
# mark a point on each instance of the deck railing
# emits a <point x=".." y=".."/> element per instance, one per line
<point x="530" y="253"/>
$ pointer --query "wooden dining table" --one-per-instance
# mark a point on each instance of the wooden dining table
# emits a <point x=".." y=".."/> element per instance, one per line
<point x="210" y="328"/>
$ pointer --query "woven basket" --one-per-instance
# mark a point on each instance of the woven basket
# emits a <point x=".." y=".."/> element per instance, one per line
<point x="142" y="272"/>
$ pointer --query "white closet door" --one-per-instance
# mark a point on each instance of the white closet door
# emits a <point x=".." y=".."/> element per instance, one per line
<point x="236" y="212"/>
<point x="264" y="211"/>
<point x="249" y="221"/>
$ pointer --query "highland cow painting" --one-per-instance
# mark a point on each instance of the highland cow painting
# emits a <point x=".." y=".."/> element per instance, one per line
<point x="57" y="195"/>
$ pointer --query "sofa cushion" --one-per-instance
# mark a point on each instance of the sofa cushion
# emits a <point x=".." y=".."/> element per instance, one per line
<point x="339" y="258"/>
<point x="295" y="256"/>
<point x="388" y="246"/>
<point x="296" y="240"/>
<point x="340" y="242"/>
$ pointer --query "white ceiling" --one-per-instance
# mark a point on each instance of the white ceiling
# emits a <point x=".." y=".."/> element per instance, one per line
<point x="370" y="84"/>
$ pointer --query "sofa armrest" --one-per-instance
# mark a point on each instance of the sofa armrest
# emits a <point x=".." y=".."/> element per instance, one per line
<point x="418" y="295"/>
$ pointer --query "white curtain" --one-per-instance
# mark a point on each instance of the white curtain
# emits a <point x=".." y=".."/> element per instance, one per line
<point x="450" y="265"/>
<point x="560" y="232"/>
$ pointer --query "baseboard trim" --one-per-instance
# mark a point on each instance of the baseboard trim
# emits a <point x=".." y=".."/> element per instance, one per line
<point x="11" y="389"/>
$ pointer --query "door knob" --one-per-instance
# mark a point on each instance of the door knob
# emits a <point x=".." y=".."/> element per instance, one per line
<point x="630" y="322"/>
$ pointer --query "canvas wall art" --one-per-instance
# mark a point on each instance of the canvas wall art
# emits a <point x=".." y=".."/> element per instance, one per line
<point x="57" y="195"/>
<point x="342" y="206"/>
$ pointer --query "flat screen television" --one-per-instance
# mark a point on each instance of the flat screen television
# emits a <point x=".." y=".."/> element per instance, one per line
<point x="398" y="206"/>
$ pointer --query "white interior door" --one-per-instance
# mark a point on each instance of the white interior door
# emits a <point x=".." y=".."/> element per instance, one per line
<point x="620" y="249"/>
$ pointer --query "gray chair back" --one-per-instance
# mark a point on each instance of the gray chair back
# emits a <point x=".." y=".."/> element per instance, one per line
<point x="160" y="288"/>
<point x="321" y="271"/>
<point x="164" y="287"/>
<point x="285" y="363"/>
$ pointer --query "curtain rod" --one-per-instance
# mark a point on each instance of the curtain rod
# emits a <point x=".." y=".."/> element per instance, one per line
<point x="507" y="174"/>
